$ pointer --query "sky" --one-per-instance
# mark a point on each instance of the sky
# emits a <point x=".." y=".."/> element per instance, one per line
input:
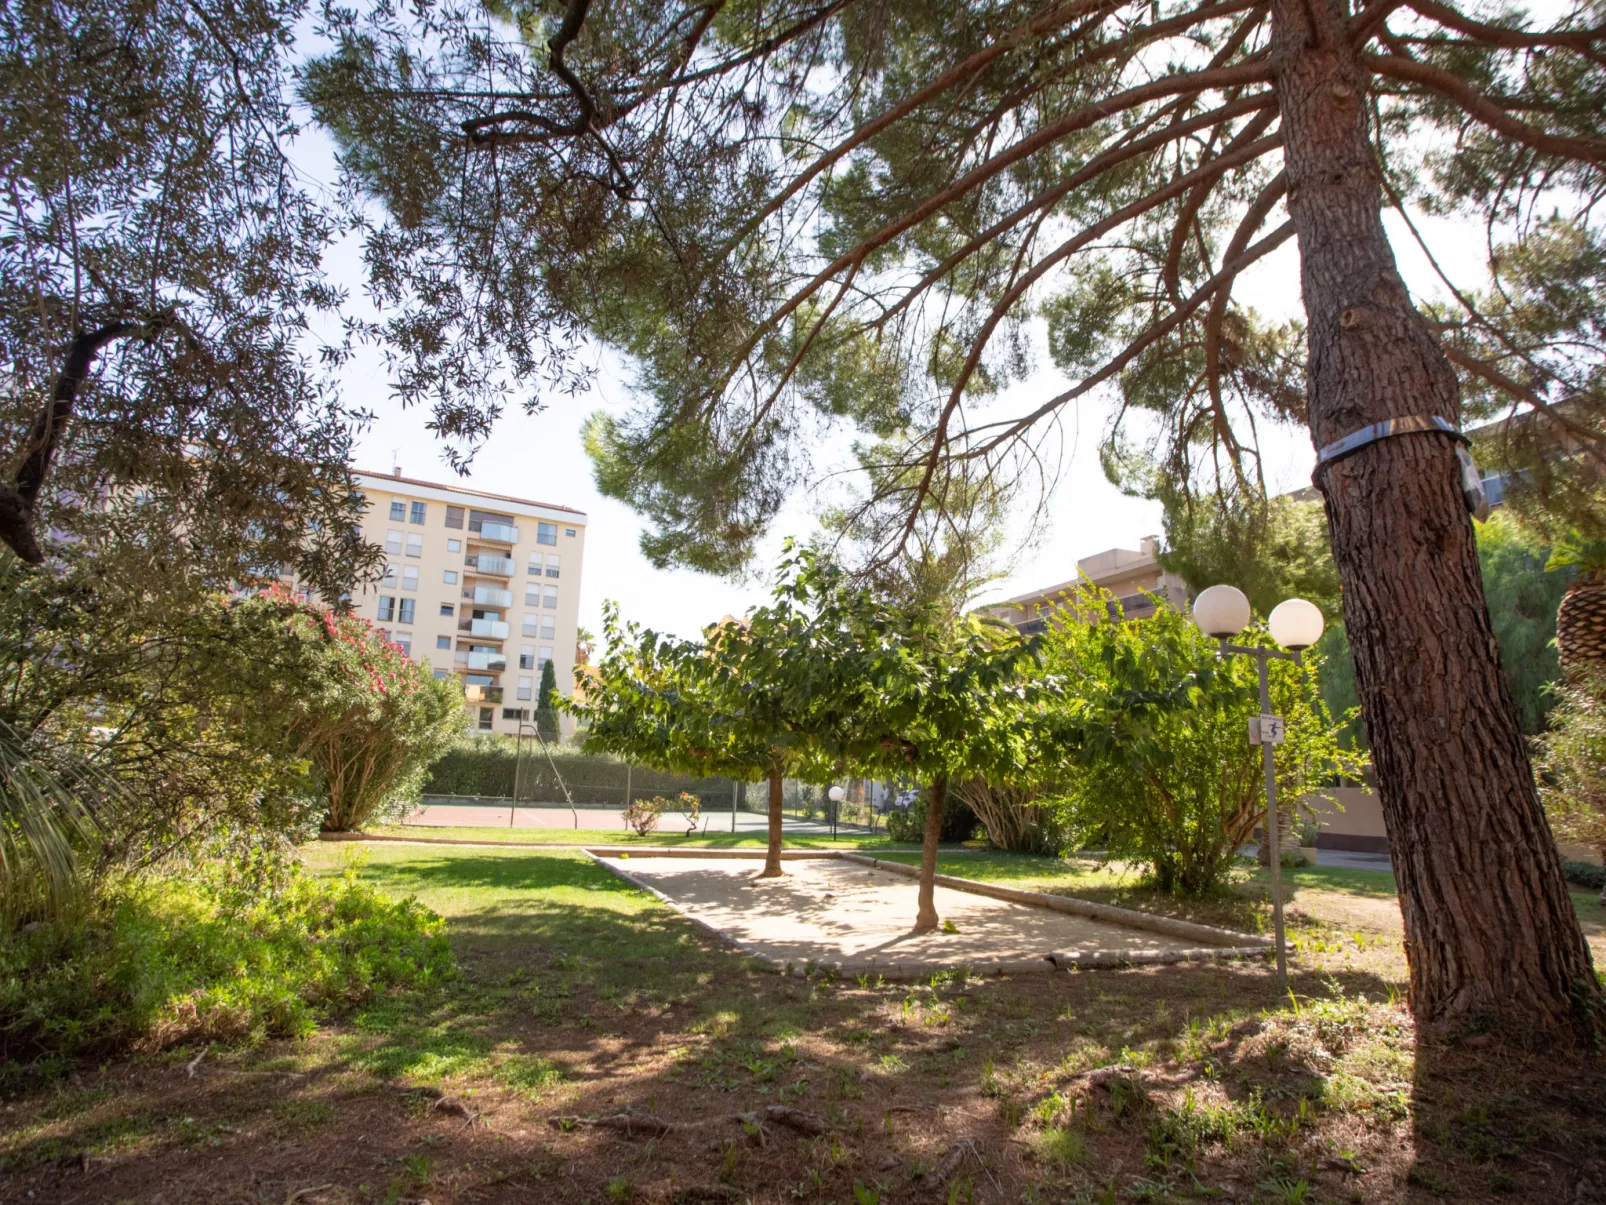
<point x="539" y="456"/>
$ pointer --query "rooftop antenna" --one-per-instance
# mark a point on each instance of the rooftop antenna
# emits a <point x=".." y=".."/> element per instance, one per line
<point x="395" y="462"/>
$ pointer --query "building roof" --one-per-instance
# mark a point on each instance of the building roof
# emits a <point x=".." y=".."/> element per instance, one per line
<point x="458" y="489"/>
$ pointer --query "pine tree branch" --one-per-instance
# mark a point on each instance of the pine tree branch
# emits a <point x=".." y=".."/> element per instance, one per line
<point x="1583" y="41"/>
<point x="1097" y="166"/>
<point x="1257" y="70"/>
<point x="1478" y="106"/>
<point x="1208" y="170"/>
<point x="1251" y="222"/>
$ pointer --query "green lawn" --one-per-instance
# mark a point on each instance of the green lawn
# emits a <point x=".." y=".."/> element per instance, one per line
<point x="580" y="997"/>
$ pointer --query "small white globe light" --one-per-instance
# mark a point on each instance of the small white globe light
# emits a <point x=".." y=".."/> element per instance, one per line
<point x="837" y="794"/>
<point x="1296" y="624"/>
<point x="1221" y="611"/>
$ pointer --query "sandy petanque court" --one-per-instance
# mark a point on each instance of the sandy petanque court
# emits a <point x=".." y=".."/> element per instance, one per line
<point x="854" y="917"/>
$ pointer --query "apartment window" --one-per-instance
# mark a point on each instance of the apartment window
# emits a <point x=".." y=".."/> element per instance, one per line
<point x="405" y="614"/>
<point x="526" y="656"/>
<point x="569" y="531"/>
<point x="387" y="608"/>
<point x="524" y="688"/>
<point x="393" y="543"/>
<point x="535" y="564"/>
<point x="532" y="595"/>
<point x="450" y="577"/>
<point x="410" y="578"/>
<point x="419" y="513"/>
<point x="398" y="511"/>
<point x="529" y="625"/>
<point x="549" y="597"/>
<point x="454" y="516"/>
<point x="546" y="533"/>
<point x="546" y="654"/>
<point x="390" y="575"/>
<point x="454" y="545"/>
<point x="442" y="674"/>
<point x="549" y="627"/>
<point x="446" y="609"/>
<point x="415" y="545"/>
<point x="552" y="564"/>
<point x="486" y="715"/>
<point x="443" y="642"/>
<point x="404" y="641"/>
<point x="516" y="713"/>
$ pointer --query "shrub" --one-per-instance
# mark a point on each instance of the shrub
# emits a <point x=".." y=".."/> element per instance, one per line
<point x="908" y="825"/>
<point x="1156" y="723"/>
<point x="1021" y="820"/>
<point x="490" y="766"/>
<point x="165" y="961"/>
<point x="1585" y="874"/>
<point x="1570" y="763"/>
<point x="643" y="814"/>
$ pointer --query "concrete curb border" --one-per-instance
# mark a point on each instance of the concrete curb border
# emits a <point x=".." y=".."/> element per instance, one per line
<point x="1052" y="963"/>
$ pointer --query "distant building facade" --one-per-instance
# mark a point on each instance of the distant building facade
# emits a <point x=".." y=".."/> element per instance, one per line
<point x="1132" y="576"/>
<point x="480" y="587"/>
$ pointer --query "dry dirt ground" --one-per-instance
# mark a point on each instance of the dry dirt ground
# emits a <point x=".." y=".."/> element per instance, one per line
<point x="581" y="1000"/>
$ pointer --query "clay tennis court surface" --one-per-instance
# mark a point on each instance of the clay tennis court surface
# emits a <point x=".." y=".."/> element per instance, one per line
<point x="844" y="913"/>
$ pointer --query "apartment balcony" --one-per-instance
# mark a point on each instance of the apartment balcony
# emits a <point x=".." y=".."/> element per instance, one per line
<point x="489" y="563"/>
<point x="495" y="533"/>
<point x="482" y="694"/>
<point x="496" y="629"/>
<point x="494" y="662"/>
<point x="492" y="596"/>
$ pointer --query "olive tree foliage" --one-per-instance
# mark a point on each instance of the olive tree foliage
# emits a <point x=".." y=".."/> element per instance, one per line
<point x="160" y="273"/>
<point x="1154" y="724"/>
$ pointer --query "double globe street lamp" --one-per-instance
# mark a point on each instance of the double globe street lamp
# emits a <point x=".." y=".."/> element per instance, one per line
<point x="1221" y="613"/>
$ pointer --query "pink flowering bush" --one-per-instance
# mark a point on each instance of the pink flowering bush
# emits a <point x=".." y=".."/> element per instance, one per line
<point x="366" y="718"/>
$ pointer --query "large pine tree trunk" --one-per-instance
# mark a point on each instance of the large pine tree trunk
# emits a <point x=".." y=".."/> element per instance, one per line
<point x="926" y="917"/>
<point x="772" y="857"/>
<point x="1490" y="931"/>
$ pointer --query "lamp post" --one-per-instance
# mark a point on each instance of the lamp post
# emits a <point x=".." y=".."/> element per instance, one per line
<point x="835" y="795"/>
<point x="1222" y="612"/>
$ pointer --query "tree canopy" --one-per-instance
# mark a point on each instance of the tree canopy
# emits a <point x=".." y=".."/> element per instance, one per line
<point x="161" y="276"/>
<point x="797" y="215"/>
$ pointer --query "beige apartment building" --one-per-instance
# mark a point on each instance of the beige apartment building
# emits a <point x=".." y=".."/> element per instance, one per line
<point x="478" y="586"/>
<point x="1132" y="576"/>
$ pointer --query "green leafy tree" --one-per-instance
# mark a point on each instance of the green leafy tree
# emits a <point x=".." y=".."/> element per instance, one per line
<point x="1155" y="723"/>
<point x="735" y="703"/>
<point x="805" y="214"/>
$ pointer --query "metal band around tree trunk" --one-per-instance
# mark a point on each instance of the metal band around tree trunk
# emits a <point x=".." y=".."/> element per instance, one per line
<point x="1472" y="490"/>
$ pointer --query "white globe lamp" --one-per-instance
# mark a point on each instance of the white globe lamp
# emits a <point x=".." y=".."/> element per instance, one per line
<point x="1221" y="611"/>
<point x="837" y="794"/>
<point x="1296" y="624"/>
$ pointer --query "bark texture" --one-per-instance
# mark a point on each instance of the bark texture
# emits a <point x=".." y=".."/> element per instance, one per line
<point x="1490" y="930"/>
<point x="772" y="857"/>
<point x="926" y="918"/>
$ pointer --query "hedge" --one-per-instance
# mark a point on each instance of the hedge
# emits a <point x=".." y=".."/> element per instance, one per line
<point x="492" y="768"/>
